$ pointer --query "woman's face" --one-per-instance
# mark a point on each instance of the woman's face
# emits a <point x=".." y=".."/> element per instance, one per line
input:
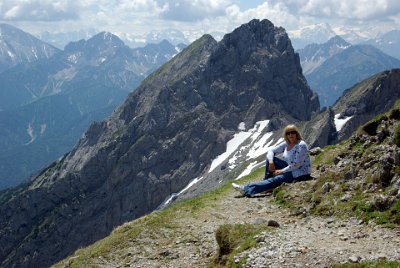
<point x="291" y="136"/>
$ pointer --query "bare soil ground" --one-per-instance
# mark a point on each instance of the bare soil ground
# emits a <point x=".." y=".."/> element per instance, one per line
<point x="300" y="240"/>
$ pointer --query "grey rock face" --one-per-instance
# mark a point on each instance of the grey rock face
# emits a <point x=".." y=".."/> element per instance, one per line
<point x="164" y="135"/>
<point x="320" y="130"/>
<point x="358" y="104"/>
<point x="370" y="97"/>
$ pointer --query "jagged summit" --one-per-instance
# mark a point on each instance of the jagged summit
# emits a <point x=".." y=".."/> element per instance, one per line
<point x="313" y="55"/>
<point x="97" y="48"/>
<point x="17" y="46"/>
<point x="165" y="134"/>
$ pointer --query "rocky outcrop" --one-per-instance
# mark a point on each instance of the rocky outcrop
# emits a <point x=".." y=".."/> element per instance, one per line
<point x="367" y="99"/>
<point x="347" y="68"/>
<point x="320" y="130"/>
<point x="164" y="135"/>
<point x="358" y="104"/>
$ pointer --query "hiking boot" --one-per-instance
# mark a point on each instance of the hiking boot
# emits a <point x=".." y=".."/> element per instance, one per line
<point x="239" y="188"/>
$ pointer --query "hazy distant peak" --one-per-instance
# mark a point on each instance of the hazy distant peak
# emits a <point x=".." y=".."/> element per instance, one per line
<point x="337" y="40"/>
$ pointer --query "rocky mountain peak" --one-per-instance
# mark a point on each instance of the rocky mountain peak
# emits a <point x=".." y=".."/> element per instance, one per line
<point x="337" y="40"/>
<point x="314" y="55"/>
<point x="165" y="134"/>
<point x="17" y="46"/>
<point x="98" y="41"/>
<point x="107" y="38"/>
<point x="96" y="49"/>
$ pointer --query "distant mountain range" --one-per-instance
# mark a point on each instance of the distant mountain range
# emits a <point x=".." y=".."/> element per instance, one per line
<point x="332" y="67"/>
<point x="313" y="34"/>
<point x="17" y="47"/>
<point x="61" y="39"/>
<point x="388" y="42"/>
<point x="47" y="104"/>
<point x="312" y="56"/>
<point x="317" y="34"/>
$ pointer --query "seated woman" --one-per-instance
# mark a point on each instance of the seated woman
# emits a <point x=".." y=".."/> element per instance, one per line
<point x="296" y="165"/>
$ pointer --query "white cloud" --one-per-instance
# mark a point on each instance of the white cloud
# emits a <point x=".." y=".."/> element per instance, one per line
<point x="138" y="6"/>
<point x="194" y="10"/>
<point x="277" y="13"/>
<point x="38" y="10"/>
<point x="344" y="9"/>
<point x="194" y="17"/>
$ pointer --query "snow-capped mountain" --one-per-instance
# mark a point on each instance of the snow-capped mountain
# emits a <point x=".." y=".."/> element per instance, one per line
<point x="388" y="42"/>
<point x="318" y="33"/>
<point x="321" y="33"/>
<point x="172" y="35"/>
<point x="314" y="55"/>
<point x="61" y="39"/>
<point x="17" y="46"/>
<point x="133" y="40"/>
<point x="166" y="133"/>
<point x="353" y="35"/>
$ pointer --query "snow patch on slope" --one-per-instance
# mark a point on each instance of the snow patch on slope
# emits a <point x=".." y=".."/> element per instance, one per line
<point x="339" y="123"/>
<point x="246" y="145"/>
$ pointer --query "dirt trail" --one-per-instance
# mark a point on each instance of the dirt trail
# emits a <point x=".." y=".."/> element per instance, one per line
<point x="300" y="241"/>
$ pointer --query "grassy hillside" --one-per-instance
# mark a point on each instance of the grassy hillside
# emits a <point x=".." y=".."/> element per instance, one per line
<point x="358" y="178"/>
<point x="168" y="224"/>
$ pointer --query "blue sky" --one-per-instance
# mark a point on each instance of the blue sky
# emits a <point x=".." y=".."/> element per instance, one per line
<point x="195" y="17"/>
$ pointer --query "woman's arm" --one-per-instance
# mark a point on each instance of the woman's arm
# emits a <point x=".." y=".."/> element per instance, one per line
<point x="280" y="148"/>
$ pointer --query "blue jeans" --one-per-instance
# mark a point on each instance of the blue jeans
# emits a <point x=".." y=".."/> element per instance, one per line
<point x="269" y="181"/>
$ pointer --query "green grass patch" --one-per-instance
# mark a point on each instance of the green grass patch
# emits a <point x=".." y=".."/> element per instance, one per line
<point x="123" y="236"/>
<point x="120" y="238"/>
<point x="329" y="153"/>
<point x="397" y="135"/>
<point x="281" y="194"/>
<point x="233" y="239"/>
<point x="395" y="213"/>
<point x="358" y="146"/>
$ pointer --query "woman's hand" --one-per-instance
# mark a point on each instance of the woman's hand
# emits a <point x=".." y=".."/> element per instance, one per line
<point x="271" y="167"/>
<point x="277" y="172"/>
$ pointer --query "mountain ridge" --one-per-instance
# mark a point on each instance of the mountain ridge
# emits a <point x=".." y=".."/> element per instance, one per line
<point x="344" y="69"/>
<point x="163" y="135"/>
<point x="17" y="47"/>
<point x="55" y="100"/>
<point x="313" y="55"/>
<point x="338" y="218"/>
